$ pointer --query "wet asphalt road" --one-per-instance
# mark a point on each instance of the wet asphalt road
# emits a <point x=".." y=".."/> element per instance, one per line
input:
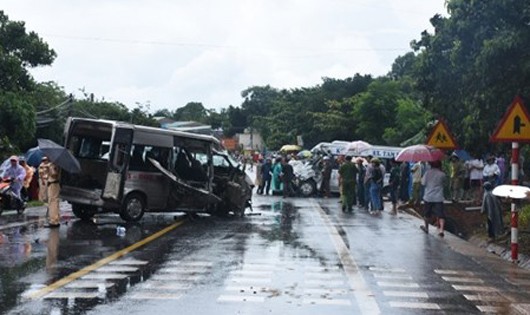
<point x="289" y="256"/>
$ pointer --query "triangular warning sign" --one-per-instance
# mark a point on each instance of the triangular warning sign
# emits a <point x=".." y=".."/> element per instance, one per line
<point x="441" y="138"/>
<point x="515" y="125"/>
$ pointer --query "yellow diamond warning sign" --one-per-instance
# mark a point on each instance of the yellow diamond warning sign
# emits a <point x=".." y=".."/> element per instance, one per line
<point x="515" y="125"/>
<point x="441" y="138"/>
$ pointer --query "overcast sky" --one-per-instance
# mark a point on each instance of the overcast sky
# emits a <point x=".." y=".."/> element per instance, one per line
<point x="171" y="52"/>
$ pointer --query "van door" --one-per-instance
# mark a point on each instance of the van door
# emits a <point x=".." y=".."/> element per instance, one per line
<point x="119" y="156"/>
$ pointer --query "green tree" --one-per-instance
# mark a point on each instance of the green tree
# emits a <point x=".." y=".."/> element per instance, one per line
<point x="20" y="50"/>
<point x="473" y="65"/>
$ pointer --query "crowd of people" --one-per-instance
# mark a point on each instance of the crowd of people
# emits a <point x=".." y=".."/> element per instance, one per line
<point x="361" y="182"/>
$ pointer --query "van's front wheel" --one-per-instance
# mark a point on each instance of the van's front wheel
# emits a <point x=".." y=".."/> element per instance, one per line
<point x="133" y="208"/>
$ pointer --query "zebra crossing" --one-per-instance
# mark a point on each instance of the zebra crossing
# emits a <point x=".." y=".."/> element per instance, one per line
<point x="308" y="285"/>
<point x="403" y="292"/>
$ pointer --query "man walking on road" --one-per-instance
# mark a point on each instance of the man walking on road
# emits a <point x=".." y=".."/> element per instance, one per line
<point x="433" y="181"/>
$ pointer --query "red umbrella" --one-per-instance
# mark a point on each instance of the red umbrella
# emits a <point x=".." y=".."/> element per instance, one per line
<point x="420" y="152"/>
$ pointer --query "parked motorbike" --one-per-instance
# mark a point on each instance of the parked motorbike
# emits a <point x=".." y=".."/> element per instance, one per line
<point x="8" y="199"/>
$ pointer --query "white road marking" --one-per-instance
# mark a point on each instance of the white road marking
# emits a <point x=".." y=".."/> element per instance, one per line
<point x="129" y="261"/>
<point x="183" y="270"/>
<point x="154" y="296"/>
<point x="239" y="298"/>
<point x="332" y="291"/>
<point x="491" y="309"/>
<point x="454" y="272"/>
<point x="252" y="289"/>
<point x="398" y="284"/>
<point x="316" y="275"/>
<point x="249" y="280"/>
<point x="410" y="294"/>
<point x="79" y="284"/>
<point x="392" y="276"/>
<point x="340" y="302"/>
<point x="117" y="268"/>
<point x="416" y="305"/>
<point x="71" y="295"/>
<point x="363" y="295"/>
<point x="390" y="270"/>
<point x="322" y="268"/>
<point x="325" y="283"/>
<point x="485" y="298"/>
<point x="160" y="285"/>
<point x="474" y="288"/>
<point x="176" y="277"/>
<point x="104" y="276"/>
<point x="463" y="279"/>
<point x="254" y="273"/>
<point x="191" y="263"/>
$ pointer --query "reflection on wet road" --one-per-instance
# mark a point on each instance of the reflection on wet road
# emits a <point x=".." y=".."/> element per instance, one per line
<point x="290" y="256"/>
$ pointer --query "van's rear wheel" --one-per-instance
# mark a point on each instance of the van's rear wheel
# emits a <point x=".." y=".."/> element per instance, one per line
<point x="133" y="208"/>
<point x="83" y="212"/>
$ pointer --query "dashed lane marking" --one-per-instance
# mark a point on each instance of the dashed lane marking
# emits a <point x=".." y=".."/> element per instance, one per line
<point x="398" y="284"/>
<point x="491" y="309"/>
<point x="338" y="302"/>
<point x="454" y="272"/>
<point x="409" y="294"/>
<point x="463" y="279"/>
<point x="72" y="295"/>
<point x="240" y="298"/>
<point x="473" y="288"/>
<point x="415" y="305"/>
<point x="79" y="284"/>
<point x="154" y="296"/>
<point x="104" y="276"/>
<point x="392" y="276"/>
<point x="484" y="298"/>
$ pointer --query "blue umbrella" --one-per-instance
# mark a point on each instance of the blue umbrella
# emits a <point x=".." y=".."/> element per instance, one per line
<point x="34" y="156"/>
<point x="463" y="155"/>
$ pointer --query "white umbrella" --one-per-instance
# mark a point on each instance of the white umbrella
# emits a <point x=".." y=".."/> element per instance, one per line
<point x="356" y="147"/>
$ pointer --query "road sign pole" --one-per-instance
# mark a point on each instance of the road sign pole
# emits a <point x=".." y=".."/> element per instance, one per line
<point x="514" y="214"/>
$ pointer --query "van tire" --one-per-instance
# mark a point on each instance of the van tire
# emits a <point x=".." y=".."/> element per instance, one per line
<point x="307" y="188"/>
<point x="83" y="212"/>
<point x="133" y="208"/>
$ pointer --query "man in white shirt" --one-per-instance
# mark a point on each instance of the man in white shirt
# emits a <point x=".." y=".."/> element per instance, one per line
<point x="491" y="171"/>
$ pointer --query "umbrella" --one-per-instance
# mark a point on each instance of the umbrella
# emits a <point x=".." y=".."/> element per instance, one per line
<point x="463" y="155"/>
<point x="511" y="191"/>
<point x="420" y="152"/>
<point x="356" y="147"/>
<point x="34" y="156"/>
<point x="59" y="155"/>
<point x="290" y="148"/>
<point x="304" y="154"/>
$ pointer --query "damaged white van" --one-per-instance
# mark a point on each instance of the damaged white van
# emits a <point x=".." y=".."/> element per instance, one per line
<point x="130" y="169"/>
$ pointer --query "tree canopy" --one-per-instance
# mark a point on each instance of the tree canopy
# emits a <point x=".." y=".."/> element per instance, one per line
<point x="467" y="72"/>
